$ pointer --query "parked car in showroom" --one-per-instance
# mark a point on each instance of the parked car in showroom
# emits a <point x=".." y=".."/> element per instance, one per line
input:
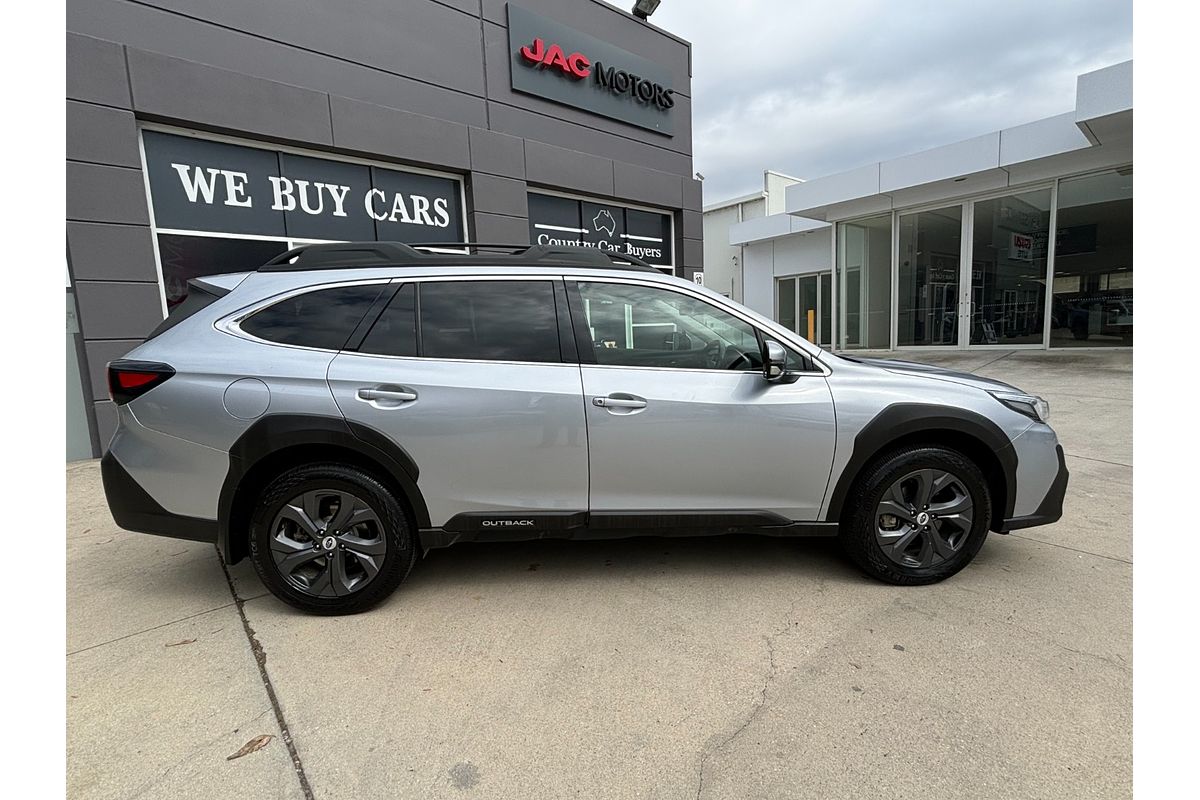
<point x="347" y="407"/>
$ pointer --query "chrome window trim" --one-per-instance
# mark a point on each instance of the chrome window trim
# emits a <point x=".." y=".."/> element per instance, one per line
<point x="822" y="369"/>
<point x="231" y="324"/>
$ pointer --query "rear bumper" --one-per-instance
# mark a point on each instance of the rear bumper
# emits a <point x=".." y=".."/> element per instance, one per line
<point x="1051" y="508"/>
<point x="135" y="510"/>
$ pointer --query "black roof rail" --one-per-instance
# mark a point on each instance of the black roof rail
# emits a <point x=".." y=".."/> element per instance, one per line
<point x="357" y="255"/>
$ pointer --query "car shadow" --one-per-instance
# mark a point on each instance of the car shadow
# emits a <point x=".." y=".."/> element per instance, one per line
<point x="731" y="556"/>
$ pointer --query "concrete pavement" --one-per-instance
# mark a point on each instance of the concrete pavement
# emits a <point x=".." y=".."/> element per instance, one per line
<point x="672" y="668"/>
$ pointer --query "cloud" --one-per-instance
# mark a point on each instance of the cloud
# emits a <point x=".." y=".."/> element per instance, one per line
<point x="810" y="89"/>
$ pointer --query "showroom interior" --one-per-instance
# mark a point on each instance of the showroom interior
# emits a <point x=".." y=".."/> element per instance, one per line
<point x="211" y="138"/>
<point x="1020" y="238"/>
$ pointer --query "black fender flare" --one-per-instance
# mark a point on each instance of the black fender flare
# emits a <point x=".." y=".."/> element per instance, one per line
<point x="275" y="432"/>
<point x="902" y="420"/>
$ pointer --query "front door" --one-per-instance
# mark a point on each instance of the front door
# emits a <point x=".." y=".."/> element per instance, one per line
<point x="467" y="376"/>
<point x="680" y="420"/>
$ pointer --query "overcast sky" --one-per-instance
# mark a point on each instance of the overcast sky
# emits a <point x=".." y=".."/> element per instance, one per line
<point x="812" y="88"/>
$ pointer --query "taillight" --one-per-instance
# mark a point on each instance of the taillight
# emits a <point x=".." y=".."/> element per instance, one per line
<point x="130" y="379"/>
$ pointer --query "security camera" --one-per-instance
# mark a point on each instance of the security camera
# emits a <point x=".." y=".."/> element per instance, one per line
<point x="644" y="8"/>
<point x="699" y="177"/>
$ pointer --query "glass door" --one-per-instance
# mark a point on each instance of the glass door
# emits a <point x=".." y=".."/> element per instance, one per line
<point x="930" y="256"/>
<point x="804" y="304"/>
<point x="1010" y="238"/>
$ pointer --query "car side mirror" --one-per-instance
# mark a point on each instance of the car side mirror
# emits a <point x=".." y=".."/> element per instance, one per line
<point x="774" y="358"/>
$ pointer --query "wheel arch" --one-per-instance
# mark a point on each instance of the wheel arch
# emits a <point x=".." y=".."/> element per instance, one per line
<point x="908" y="424"/>
<point x="276" y="442"/>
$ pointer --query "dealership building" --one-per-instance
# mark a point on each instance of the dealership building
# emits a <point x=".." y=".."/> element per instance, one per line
<point x="208" y="137"/>
<point x="1020" y="238"/>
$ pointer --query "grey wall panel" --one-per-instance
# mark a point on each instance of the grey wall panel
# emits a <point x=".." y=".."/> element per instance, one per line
<point x="693" y="253"/>
<point x="611" y="24"/>
<point x="497" y="153"/>
<point x="184" y="90"/>
<point x="101" y="135"/>
<point x="693" y="194"/>
<point x="415" y="138"/>
<point x="417" y="38"/>
<point x="570" y="169"/>
<point x="96" y="71"/>
<point x="106" y="422"/>
<point x="118" y="310"/>
<point x="693" y="225"/>
<point x="106" y="194"/>
<point x="500" y="91"/>
<point x="500" y="229"/>
<point x="110" y="252"/>
<point x="644" y="185"/>
<point x="499" y="195"/>
<point x="98" y="356"/>
<point x="519" y="122"/>
<point x="159" y="31"/>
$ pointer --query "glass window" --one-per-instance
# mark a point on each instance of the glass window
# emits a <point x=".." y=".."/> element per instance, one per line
<point x="395" y="332"/>
<point x="930" y="250"/>
<point x="865" y="282"/>
<point x="826" y="334"/>
<point x="787" y="303"/>
<point x="1008" y="268"/>
<point x="489" y="320"/>
<point x="1092" y="305"/>
<point x="643" y="326"/>
<point x="187" y="257"/>
<point x="323" y="319"/>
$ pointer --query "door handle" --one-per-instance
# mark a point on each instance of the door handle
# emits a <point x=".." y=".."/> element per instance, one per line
<point x="618" y="402"/>
<point x="380" y="397"/>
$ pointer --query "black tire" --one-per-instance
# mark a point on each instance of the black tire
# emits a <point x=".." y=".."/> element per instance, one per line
<point x="391" y="524"/>
<point x="858" y="532"/>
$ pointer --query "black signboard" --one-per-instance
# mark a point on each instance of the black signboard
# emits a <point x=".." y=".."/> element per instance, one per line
<point x="555" y="220"/>
<point x="205" y="186"/>
<point x="559" y="63"/>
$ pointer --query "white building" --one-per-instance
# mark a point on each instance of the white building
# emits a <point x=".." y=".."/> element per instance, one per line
<point x="722" y="260"/>
<point x="955" y="247"/>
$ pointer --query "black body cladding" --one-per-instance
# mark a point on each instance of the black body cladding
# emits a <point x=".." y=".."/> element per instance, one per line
<point x="901" y="420"/>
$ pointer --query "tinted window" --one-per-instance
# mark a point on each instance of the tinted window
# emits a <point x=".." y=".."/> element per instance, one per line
<point x="643" y="326"/>
<point x="323" y="318"/>
<point x="395" y="332"/>
<point x="491" y="320"/>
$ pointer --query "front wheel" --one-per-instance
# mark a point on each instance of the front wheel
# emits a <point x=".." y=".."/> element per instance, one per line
<point x="330" y="539"/>
<point x="919" y="515"/>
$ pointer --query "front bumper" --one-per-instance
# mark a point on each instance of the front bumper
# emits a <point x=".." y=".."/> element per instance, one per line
<point x="1051" y="508"/>
<point x="135" y="510"/>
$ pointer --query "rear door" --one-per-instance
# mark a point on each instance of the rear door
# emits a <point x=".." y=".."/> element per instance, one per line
<point x="471" y="377"/>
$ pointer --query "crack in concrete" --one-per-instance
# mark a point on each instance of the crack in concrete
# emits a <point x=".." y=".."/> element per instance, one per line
<point x="260" y="658"/>
<point x="760" y="704"/>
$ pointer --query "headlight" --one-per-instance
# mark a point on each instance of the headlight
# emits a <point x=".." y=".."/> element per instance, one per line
<point x="1030" y="405"/>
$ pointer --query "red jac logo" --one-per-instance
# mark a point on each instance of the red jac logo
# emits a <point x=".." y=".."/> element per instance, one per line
<point x="575" y="65"/>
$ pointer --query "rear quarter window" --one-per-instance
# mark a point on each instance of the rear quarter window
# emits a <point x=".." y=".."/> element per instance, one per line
<point x="323" y="319"/>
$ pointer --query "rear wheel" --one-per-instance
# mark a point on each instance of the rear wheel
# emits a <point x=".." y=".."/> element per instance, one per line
<point x="330" y="539"/>
<point x="919" y="515"/>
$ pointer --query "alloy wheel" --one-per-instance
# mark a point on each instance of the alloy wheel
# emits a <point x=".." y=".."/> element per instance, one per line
<point x="924" y="518"/>
<point x="327" y="543"/>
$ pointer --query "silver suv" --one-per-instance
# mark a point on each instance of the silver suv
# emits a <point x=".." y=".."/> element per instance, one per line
<point x="347" y="407"/>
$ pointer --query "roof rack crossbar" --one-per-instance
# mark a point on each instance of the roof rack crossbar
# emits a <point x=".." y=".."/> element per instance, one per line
<point x="356" y="255"/>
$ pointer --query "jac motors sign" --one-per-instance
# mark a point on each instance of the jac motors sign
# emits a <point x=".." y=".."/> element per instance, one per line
<point x="567" y="66"/>
<point x="217" y="187"/>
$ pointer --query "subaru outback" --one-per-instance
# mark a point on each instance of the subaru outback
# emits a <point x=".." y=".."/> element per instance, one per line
<point x="345" y="408"/>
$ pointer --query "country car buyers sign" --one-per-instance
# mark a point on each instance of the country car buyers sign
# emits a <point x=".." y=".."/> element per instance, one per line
<point x="555" y="220"/>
